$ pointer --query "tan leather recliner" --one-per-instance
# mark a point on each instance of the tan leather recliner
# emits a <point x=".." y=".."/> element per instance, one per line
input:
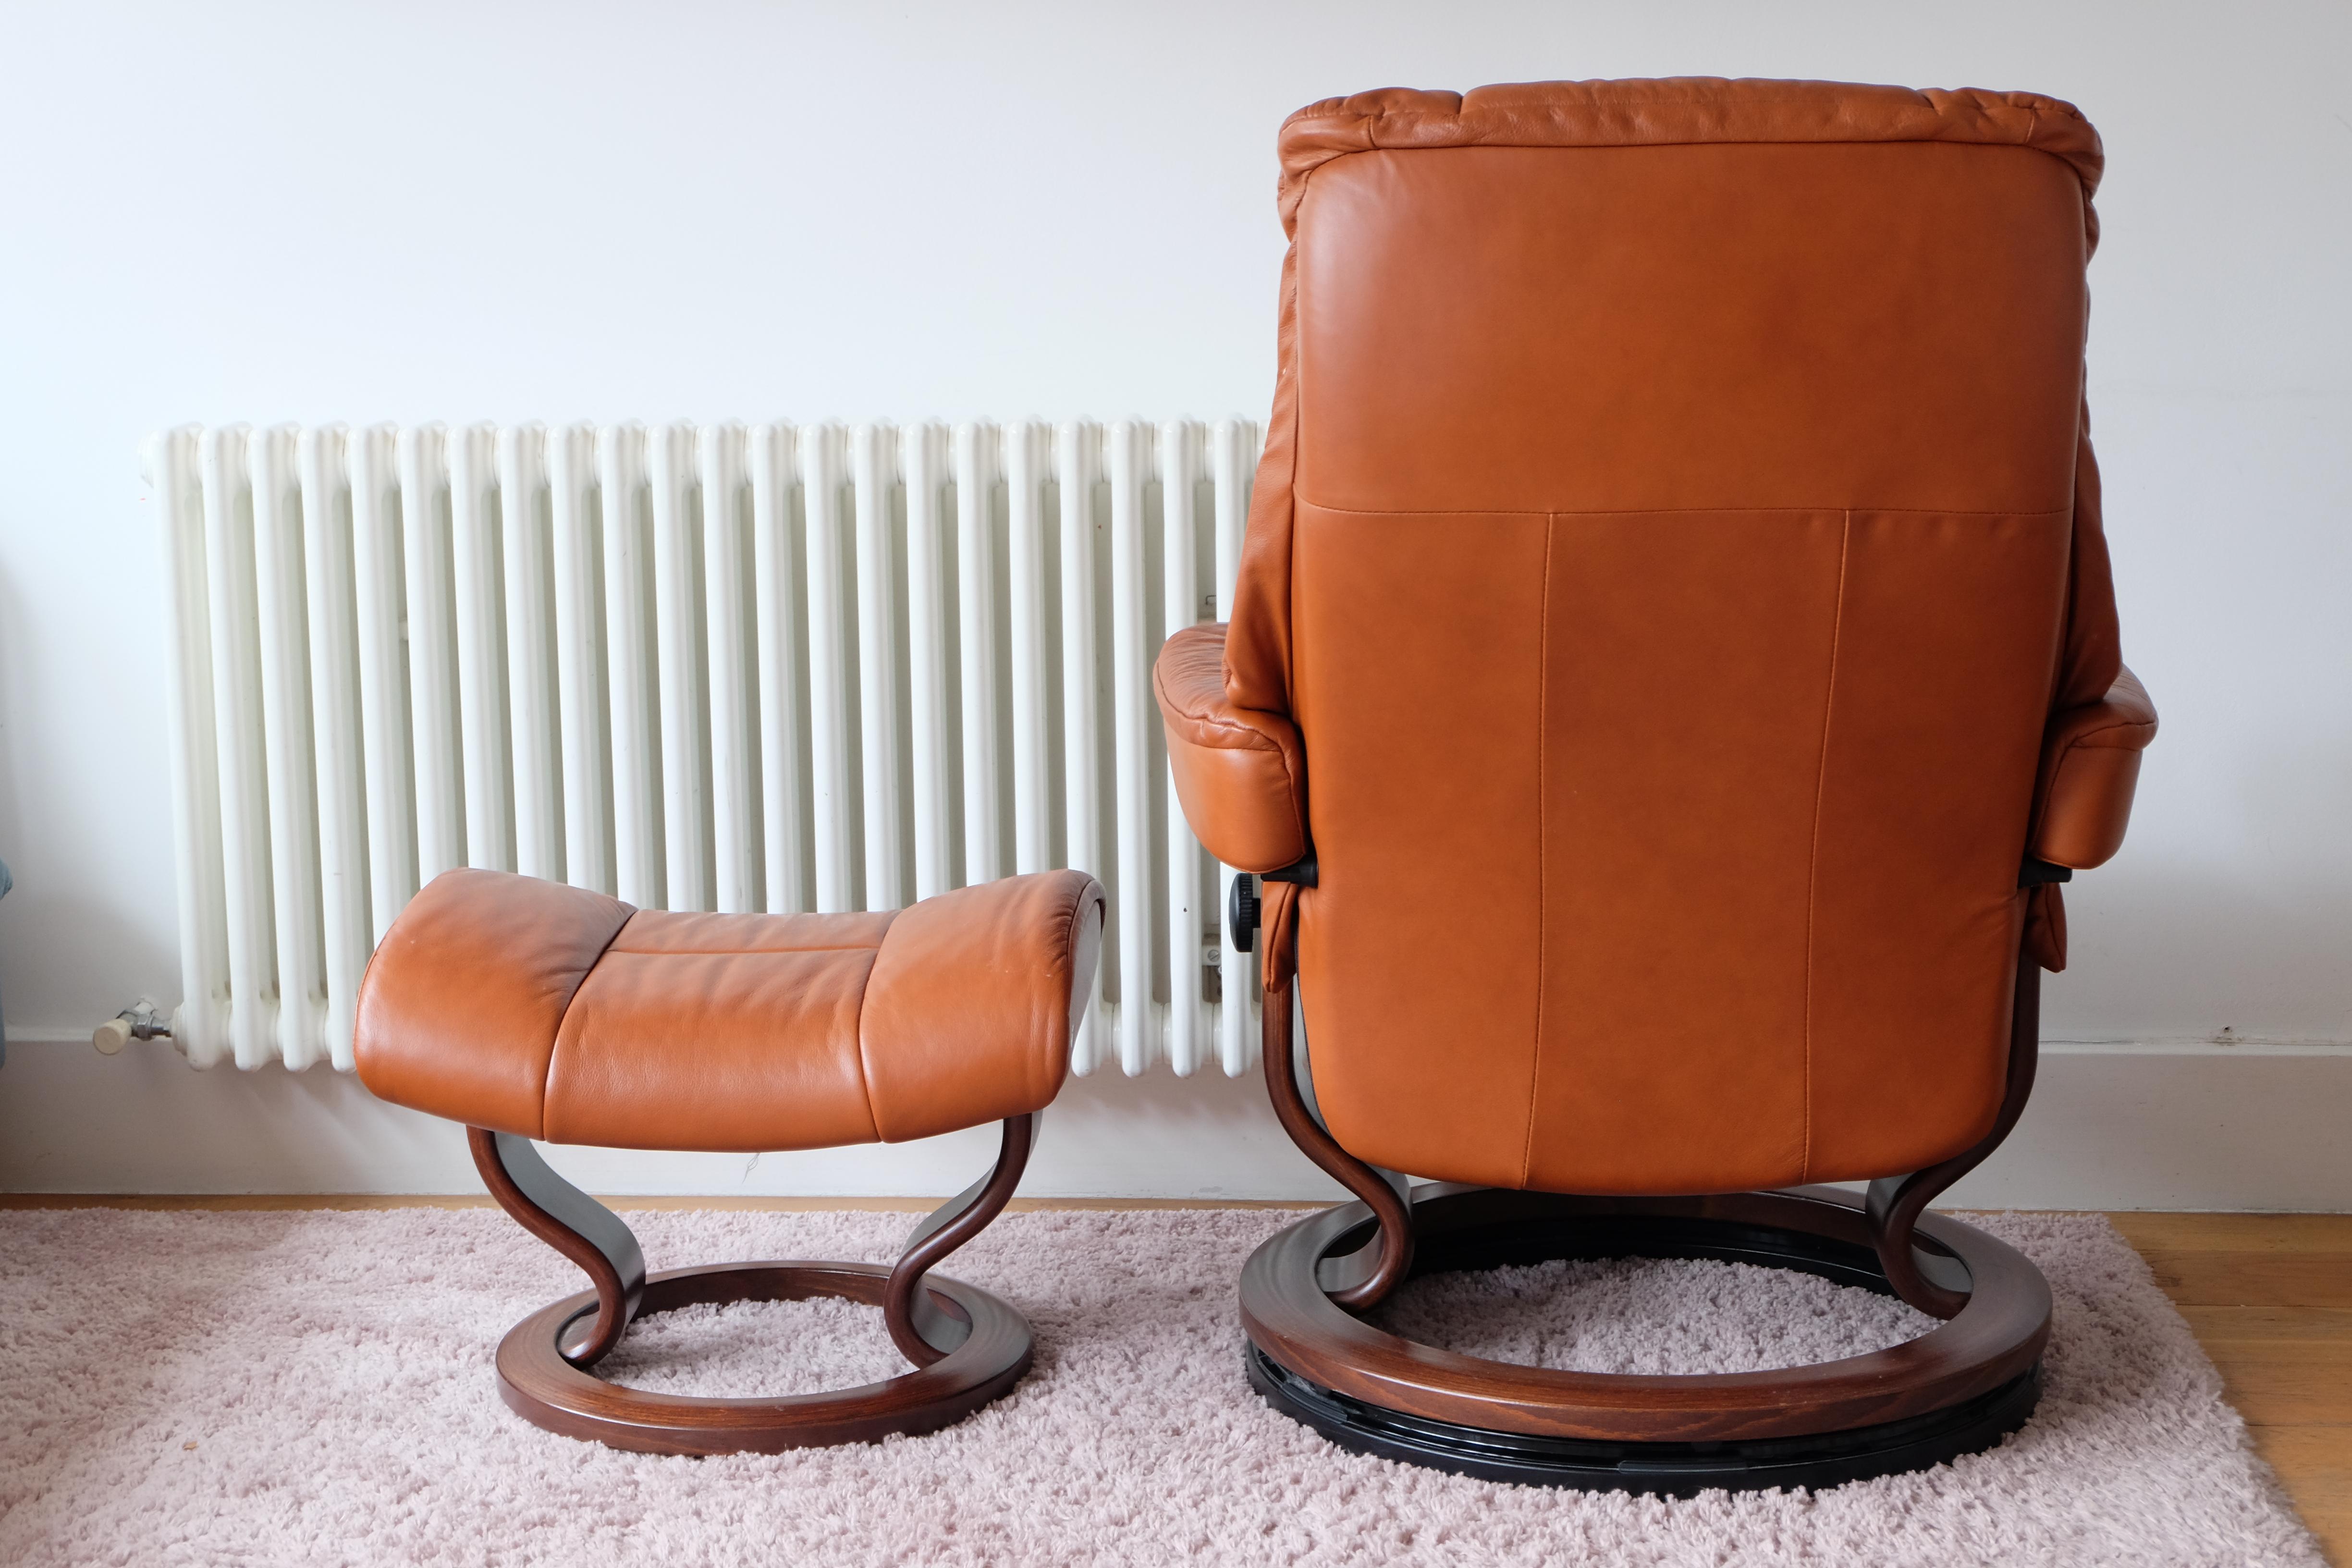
<point x="1672" y="662"/>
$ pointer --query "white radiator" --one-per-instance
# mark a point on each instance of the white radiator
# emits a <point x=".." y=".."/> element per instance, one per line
<point x="782" y="668"/>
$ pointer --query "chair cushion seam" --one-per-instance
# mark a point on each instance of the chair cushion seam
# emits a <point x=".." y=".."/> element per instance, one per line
<point x="1814" y="855"/>
<point x="2023" y="513"/>
<point x="734" y="952"/>
<point x="563" y="1015"/>
<point x="864" y="989"/>
<point x="2093" y="737"/>
<point x="1543" y="754"/>
<point x="1225" y="735"/>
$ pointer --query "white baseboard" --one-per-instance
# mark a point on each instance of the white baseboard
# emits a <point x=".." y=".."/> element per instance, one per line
<point x="2162" y="1125"/>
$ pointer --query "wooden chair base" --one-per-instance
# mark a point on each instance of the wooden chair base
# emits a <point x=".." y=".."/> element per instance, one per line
<point x="967" y="1346"/>
<point x="1955" y="1390"/>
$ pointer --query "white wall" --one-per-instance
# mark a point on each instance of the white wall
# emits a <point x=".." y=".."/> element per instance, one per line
<point x="243" y="211"/>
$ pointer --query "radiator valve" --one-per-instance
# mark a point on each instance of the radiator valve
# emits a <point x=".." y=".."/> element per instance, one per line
<point x="142" y="1020"/>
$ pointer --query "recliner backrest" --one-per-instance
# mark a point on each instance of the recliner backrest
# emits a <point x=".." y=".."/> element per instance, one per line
<point x="1677" y="527"/>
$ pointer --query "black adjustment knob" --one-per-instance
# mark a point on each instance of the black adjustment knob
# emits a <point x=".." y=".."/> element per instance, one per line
<point x="1241" y="912"/>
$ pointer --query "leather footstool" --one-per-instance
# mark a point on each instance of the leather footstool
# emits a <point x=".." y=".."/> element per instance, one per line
<point x="528" y="1009"/>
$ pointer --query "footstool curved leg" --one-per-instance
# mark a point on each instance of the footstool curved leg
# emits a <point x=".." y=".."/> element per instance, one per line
<point x="576" y="1226"/>
<point x="922" y="1332"/>
<point x="967" y="1346"/>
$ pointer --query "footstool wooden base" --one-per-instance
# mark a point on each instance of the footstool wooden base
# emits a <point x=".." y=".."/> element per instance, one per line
<point x="967" y="1346"/>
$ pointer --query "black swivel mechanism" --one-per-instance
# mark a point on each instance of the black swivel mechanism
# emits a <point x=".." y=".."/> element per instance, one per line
<point x="1241" y="912"/>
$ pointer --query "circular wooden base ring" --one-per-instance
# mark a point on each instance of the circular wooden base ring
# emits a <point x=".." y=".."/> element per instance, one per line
<point x="1955" y="1390"/>
<point x="544" y="1389"/>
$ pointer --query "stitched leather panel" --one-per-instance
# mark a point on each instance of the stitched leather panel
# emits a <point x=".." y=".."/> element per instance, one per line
<point x="1950" y="631"/>
<point x="1709" y="879"/>
<point x="459" y="1010"/>
<point x="1691" y="327"/>
<point x="1677" y="855"/>
<point x="973" y="1001"/>
<point x="724" y="1051"/>
<point x="1420" y="691"/>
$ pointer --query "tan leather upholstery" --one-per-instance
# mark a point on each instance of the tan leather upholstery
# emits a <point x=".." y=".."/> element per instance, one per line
<point x="529" y="1007"/>
<point x="2090" y="766"/>
<point x="1676" y="526"/>
<point x="1240" y="775"/>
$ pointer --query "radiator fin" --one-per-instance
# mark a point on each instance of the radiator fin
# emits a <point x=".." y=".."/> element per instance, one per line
<point x="778" y="668"/>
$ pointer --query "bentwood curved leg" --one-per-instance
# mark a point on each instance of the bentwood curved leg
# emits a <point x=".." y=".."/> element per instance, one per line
<point x="576" y="1226"/>
<point x="1924" y="1277"/>
<point x="1361" y="1279"/>
<point x="967" y="1346"/>
<point x="924" y="1333"/>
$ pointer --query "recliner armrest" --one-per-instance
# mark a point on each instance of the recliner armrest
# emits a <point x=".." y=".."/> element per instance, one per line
<point x="2090" y="766"/>
<point x="1241" y="774"/>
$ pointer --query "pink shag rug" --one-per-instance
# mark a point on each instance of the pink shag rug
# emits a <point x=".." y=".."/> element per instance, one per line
<point x="195" y="1388"/>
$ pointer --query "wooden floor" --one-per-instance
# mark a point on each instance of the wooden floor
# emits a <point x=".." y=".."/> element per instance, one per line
<point x="2269" y="1296"/>
<point x="2271" y="1299"/>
